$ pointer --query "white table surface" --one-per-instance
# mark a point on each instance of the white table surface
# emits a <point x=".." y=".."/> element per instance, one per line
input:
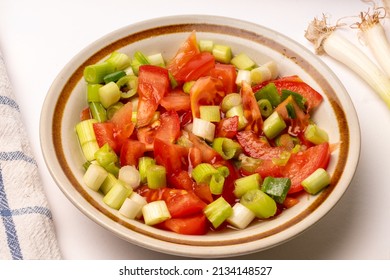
<point x="37" y="39"/>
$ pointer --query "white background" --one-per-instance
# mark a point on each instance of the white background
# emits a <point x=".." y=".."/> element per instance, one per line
<point x="37" y="39"/>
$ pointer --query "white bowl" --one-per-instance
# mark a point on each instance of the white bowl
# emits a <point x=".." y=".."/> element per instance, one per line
<point x="336" y="114"/>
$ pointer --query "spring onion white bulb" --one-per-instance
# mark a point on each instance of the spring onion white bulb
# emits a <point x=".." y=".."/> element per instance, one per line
<point x="326" y="40"/>
<point x="132" y="206"/>
<point x="95" y="176"/>
<point x="130" y="176"/>
<point x="374" y="36"/>
<point x="155" y="212"/>
<point x="203" y="129"/>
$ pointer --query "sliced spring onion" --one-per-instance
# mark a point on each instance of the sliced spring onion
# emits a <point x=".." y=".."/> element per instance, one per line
<point x="87" y="138"/>
<point x="98" y="111"/>
<point x="156" y="59"/>
<point x="243" y="61"/>
<point x="226" y="147"/>
<point x="94" y="176"/>
<point x="273" y="125"/>
<point x="95" y="73"/>
<point x="210" y="113"/>
<point x="132" y="206"/>
<point x="241" y="216"/>
<point x="315" y="134"/>
<point x="277" y="188"/>
<point x="117" y="195"/>
<point x="223" y="170"/>
<point x="318" y="180"/>
<point x="244" y="184"/>
<point x="299" y="99"/>
<point x="230" y="100"/>
<point x="93" y="92"/>
<point x="120" y="60"/>
<point x="156" y="176"/>
<point x="155" y="212"/>
<point x="130" y="176"/>
<point x="216" y="183"/>
<point x="249" y="164"/>
<point x="326" y="40"/>
<point x="218" y="211"/>
<point x="108" y="183"/>
<point x="243" y="76"/>
<point x="113" y="77"/>
<point x="286" y="140"/>
<point x="269" y="92"/>
<point x="262" y="205"/>
<point x="265" y="107"/>
<point x="109" y="94"/>
<point x="206" y="45"/>
<point x="143" y="164"/>
<point x="283" y="158"/>
<point x="222" y="53"/>
<point x="202" y="172"/>
<point x="108" y="159"/>
<point x="265" y="72"/>
<point x="203" y="129"/>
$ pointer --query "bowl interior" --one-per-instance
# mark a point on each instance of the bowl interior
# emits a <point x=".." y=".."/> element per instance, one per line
<point x="66" y="98"/>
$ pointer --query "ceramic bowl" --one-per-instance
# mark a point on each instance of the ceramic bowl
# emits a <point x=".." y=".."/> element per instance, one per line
<point x="336" y="114"/>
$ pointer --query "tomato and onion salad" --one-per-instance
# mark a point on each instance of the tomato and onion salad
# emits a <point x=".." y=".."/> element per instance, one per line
<point x="206" y="140"/>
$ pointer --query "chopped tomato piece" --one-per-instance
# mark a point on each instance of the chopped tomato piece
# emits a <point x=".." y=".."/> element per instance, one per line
<point x="169" y="129"/>
<point x="251" y="109"/>
<point x="255" y="147"/>
<point x="208" y="154"/>
<point x="227" y="127"/>
<point x="172" y="156"/>
<point x="300" y="122"/>
<point x="302" y="164"/>
<point x="181" y="180"/>
<point x="186" y="51"/>
<point x="203" y="192"/>
<point x="124" y="127"/>
<point x="205" y="91"/>
<point x="131" y="151"/>
<point x="85" y="114"/>
<point x="198" y="66"/>
<point x="180" y="203"/>
<point x="153" y="84"/>
<point x="192" y="225"/>
<point x="227" y="74"/>
<point x="104" y="133"/>
<point x="176" y="100"/>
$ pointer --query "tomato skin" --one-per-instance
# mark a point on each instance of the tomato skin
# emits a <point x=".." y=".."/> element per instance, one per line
<point x="227" y="74"/>
<point x="176" y="100"/>
<point x="191" y="225"/>
<point x="153" y="84"/>
<point x="255" y="147"/>
<point x="130" y="152"/>
<point x="172" y="156"/>
<point x="198" y="66"/>
<point x="124" y="127"/>
<point x="104" y="133"/>
<point x="181" y="180"/>
<point x="85" y="114"/>
<point x="251" y="109"/>
<point x="208" y="154"/>
<point x="186" y="51"/>
<point x="227" y="127"/>
<point x="295" y="83"/>
<point x="205" y="91"/>
<point x="302" y="164"/>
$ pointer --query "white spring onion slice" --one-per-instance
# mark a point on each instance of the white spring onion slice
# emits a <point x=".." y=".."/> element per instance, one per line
<point x="241" y="216"/>
<point x="132" y="206"/>
<point x="95" y="176"/>
<point x="203" y="129"/>
<point x="130" y="176"/>
<point x="155" y="212"/>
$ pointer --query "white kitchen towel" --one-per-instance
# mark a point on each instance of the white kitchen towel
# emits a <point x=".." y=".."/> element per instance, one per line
<point x="26" y="223"/>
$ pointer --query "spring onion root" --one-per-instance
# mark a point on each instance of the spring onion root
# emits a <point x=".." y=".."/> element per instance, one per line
<point x="326" y="40"/>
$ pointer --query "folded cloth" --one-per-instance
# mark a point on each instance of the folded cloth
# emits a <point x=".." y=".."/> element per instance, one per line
<point x="26" y="225"/>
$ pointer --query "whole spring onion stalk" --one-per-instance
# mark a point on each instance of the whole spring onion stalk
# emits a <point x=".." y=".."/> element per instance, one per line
<point x="326" y="40"/>
<point x="374" y="36"/>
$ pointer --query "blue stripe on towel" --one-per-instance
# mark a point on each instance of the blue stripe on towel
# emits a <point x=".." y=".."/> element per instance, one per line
<point x="27" y="210"/>
<point x="10" y="229"/>
<point x="17" y="155"/>
<point x="10" y="102"/>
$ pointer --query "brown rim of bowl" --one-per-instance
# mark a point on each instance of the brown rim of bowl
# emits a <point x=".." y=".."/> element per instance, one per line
<point x="210" y="28"/>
